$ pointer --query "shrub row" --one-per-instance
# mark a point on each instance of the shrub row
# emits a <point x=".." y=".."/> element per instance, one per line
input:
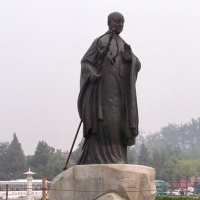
<point x="177" y="198"/>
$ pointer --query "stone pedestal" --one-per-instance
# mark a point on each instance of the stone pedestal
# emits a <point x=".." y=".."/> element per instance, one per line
<point x="104" y="182"/>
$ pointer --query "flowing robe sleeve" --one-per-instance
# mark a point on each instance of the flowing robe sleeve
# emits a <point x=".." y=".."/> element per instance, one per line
<point x="131" y="109"/>
<point x="86" y="104"/>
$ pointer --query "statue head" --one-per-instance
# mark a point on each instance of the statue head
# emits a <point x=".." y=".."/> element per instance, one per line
<point x="116" y="22"/>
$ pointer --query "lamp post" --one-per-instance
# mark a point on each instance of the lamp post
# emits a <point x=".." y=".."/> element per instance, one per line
<point x="29" y="195"/>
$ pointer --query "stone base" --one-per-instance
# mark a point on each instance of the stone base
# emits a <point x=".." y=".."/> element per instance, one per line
<point x="104" y="182"/>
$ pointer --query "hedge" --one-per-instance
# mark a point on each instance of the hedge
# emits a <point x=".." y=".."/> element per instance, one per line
<point x="176" y="198"/>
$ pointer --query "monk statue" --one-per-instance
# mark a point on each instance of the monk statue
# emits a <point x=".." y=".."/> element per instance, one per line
<point x="107" y="101"/>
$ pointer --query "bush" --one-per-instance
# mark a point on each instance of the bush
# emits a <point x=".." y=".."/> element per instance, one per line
<point x="176" y="198"/>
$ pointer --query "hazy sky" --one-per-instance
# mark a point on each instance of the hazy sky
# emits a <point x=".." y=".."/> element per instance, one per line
<point x="43" y="41"/>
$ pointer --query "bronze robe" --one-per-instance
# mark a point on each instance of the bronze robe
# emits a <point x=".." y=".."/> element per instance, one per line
<point x="108" y="108"/>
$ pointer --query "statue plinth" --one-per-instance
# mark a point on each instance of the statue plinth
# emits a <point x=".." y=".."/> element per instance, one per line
<point x="104" y="182"/>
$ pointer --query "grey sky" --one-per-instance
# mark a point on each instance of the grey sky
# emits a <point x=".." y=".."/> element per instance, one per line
<point x="41" y="45"/>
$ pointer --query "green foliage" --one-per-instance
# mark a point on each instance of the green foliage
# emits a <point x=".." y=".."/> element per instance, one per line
<point x="157" y="163"/>
<point x="15" y="160"/>
<point x="173" y="148"/>
<point x="139" y="140"/>
<point x="189" y="170"/>
<point x="46" y="162"/>
<point x="55" y="165"/>
<point x="196" y="164"/>
<point x="186" y="137"/>
<point x="172" y="169"/>
<point x="131" y="155"/>
<point x="38" y="162"/>
<point x="176" y="198"/>
<point x="144" y="158"/>
<point x="77" y="153"/>
<point x="3" y="159"/>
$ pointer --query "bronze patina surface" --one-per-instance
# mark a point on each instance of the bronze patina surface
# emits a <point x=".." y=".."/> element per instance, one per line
<point x="107" y="101"/>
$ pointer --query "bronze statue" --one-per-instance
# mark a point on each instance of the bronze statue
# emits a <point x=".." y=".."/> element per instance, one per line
<point x="107" y="101"/>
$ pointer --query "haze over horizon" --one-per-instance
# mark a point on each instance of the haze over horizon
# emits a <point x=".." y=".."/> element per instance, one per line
<point x="42" y="43"/>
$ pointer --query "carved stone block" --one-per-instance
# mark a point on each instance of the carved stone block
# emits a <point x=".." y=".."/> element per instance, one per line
<point x="104" y="182"/>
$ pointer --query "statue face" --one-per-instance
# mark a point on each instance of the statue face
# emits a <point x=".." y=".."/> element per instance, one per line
<point x="116" y="23"/>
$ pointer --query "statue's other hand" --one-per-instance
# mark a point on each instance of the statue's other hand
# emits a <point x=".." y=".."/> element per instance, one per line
<point x="95" y="77"/>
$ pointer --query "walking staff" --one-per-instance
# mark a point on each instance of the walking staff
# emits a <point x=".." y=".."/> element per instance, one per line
<point x="104" y="53"/>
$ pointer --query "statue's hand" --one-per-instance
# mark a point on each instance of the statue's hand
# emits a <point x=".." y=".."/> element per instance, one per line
<point x="95" y="77"/>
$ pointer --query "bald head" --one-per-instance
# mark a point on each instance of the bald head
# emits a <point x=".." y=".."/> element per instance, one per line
<point x="114" y="15"/>
<point x="116" y="22"/>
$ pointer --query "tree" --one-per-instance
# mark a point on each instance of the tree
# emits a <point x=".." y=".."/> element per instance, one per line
<point x="189" y="170"/>
<point x="157" y="163"/>
<point x="197" y="167"/>
<point x="15" y="159"/>
<point x="131" y="154"/>
<point x="139" y="140"/>
<point x="144" y="157"/>
<point x="55" y="165"/>
<point x="172" y="169"/>
<point x="3" y="159"/>
<point x="77" y="153"/>
<point x="167" y="172"/>
<point x="39" y="160"/>
<point x="184" y="136"/>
